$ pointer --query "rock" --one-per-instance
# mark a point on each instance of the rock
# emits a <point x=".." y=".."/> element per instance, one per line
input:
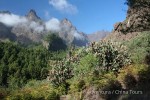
<point x="33" y="16"/>
<point x="137" y="20"/>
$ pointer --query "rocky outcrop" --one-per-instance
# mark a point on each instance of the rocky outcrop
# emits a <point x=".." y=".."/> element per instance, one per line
<point x="71" y="35"/>
<point x="138" y="18"/>
<point x="33" y="16"/>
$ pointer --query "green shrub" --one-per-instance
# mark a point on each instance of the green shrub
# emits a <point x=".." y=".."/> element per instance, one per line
<point x="55" y="42"/>
<point x="139" y="47"/>
<point x="108" y="82"/>
<point x="52" y="96"/>
<point x="15" y="97"/>
<point x="27" y="97"/>
<point x="60" y="72"/>
<point x="4" y="92"/>
<point x="134" y="76"/>
<point x="87" y="65"/>
<point x="111" y="55"/>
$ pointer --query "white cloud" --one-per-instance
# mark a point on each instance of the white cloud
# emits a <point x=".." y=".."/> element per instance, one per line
<point x="53" y="25"/>
<point x="36" y="26"/>
<point x="14" y="20"/>
<point x="11" y="19"/>
<point x="77" y="35"/>
<point x="63" y="6"/>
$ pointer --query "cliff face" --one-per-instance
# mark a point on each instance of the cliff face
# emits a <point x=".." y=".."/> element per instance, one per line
<point x="138" y="17"/>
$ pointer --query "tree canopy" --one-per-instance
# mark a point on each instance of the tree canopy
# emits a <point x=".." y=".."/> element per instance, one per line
<point x="55" y="42"/>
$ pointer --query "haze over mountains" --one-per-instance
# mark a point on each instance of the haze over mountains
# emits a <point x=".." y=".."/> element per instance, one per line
<point x="31" y="28"/>
<point x="97" y="36"/>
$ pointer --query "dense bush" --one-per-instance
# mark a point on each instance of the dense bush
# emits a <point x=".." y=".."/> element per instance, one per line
<point x="19" y="64"/>
<point x="35" y="90"/>
<point x="97" y="65"/>
<point x="139" y="47"/>
<point x="55" y="43"/>
<point x="60" y="72"/>
<point x="111" y="55"/>
<point x="87" y="64"/>
<point x="102" y="56"/>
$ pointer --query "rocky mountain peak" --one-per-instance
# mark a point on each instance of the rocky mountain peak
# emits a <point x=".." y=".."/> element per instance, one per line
<point x="32" y="15"/>
<point x="65" y="21"/>
<point x="34" y="30"/>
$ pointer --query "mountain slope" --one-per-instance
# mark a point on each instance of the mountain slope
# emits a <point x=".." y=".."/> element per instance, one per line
<point x="97" y="36"/>
<point x="71" y="35"/>
<point x="31" y="28"/>
<point x="5" y="33"/>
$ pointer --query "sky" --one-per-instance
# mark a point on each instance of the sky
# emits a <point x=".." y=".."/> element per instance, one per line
<point x="87" y="16"/>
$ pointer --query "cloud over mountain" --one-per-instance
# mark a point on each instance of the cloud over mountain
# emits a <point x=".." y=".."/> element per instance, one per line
<point x="63" y="6"/>
<point x="32" y="28"/>
<point x="15" y="20"/>
<point x="53" y="25"/>
<point x="12" y="19"/>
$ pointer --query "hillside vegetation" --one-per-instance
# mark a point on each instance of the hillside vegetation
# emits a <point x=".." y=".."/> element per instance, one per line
<point x="100" y="67"/>
<point x="115" y="68"/>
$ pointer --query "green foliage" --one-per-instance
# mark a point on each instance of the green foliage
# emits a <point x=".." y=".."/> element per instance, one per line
<point x="97" y="65"/>
<point x="18" y="64"/>
<point x="35" y="90"/>
<point x="60" y="72"/>
<point x="3" y="92"/>
<point x="52" y="96"/>
<point x="139" y="47"/>
<point x="134" y="75"/>
<point x="111" y="55"/>
<point x="104" y="65"/>
<point x="3" y="75"/>
<point x="55" y="42"/>
<point x="58" y="55"/>
<point x="87" y="64"/>
<point x="98" y="58"/>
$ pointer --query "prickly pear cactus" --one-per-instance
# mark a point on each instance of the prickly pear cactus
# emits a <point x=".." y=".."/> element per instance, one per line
<point x="111" y="55"/>
<point x="60" y="72"/>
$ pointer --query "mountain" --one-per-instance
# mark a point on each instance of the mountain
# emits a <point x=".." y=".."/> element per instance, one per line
<point x="5" y="33"/>
<point x="32" y="29"/>
<point x="97" y="36"/>
<point x="71" y="35"/>
<point x="28" y="32"/>
<point x="33" y="16"/>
